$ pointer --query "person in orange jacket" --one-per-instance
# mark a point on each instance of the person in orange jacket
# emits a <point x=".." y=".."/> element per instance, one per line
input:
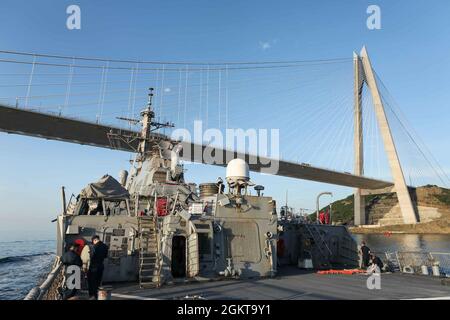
<point x="321" y="217"/>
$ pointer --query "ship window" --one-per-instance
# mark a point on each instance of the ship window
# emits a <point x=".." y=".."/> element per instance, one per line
<point x="202" y="226"/>
<point x="117" y="207"/>
<point x="84" y="207"/>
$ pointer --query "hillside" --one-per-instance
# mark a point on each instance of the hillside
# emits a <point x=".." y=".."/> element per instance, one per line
<point x="433" y="205"/>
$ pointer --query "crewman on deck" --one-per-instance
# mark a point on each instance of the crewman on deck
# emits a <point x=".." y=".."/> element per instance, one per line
<point x="321" y="217"/>
<point x="365" y="255"/>
<point x="376" y="261"/>
<point x="81" y="244"/>
<point x="327" y="216"/>
<point x="70" y="258"/>
<point x="96" y="267"/>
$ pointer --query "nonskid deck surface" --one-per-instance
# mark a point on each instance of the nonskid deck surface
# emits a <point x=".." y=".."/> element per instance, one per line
<point x="293" y="284"/>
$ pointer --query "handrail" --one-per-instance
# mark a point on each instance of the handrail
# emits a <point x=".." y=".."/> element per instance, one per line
<point x="37" y="293"/>
<point x="158" y="251"/>
<point x="322" y="240"/>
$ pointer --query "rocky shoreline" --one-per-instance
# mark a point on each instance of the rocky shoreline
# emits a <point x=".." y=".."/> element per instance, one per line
<point x="441" y="226"/>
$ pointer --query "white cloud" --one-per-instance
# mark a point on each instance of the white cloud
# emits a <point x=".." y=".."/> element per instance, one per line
<point x="264" y="45"/>
<point x="167" y="90"/>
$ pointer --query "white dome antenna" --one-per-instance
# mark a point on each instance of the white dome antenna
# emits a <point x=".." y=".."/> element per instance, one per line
<point x="238" y="175"/>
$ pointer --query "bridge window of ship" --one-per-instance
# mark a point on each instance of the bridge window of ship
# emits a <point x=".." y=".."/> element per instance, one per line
<point x="101" y="207"/>
<point x="104" y="197"/>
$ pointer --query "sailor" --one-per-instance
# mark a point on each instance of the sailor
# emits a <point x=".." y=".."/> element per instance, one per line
<point x="321" y="217"/>
<point x="85" y="256"/>
<point x="95" y="273"/>
<point x="376" y="261"/>
<point x="365" y="255"/>
<point x="70" y="258"/>
<point x="81" y="244"/>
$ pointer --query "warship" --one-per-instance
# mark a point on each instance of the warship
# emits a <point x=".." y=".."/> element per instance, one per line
<point x="172" y="239"/>
<point x="161" y="229"/>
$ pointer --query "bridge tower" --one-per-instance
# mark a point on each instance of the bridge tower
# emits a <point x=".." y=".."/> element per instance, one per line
<point x="364" y="74"/>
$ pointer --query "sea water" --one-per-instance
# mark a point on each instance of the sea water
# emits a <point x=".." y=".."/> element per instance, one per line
<point x="23" y="264"/>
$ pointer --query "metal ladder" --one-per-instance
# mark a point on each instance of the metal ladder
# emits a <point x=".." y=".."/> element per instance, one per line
<point x="319" y="241"/>
<point x="149" y="271"/>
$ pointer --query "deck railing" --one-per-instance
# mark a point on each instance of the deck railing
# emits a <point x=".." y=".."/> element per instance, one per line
<point x="48" y="290"/>
<point x="413" y="261"/>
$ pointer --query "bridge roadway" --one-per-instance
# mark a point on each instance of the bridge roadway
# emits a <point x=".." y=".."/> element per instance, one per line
<point x="53" y="127"/>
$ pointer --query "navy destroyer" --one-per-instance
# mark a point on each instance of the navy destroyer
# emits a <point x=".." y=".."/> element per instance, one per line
<point x="160" y="228"/>
<point x="169" y="238"/>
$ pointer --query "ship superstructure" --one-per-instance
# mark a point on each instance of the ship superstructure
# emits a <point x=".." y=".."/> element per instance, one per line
<point x="159" y="227"/>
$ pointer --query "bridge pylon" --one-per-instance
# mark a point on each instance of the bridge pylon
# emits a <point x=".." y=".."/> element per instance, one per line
<point x="364" y="74"/>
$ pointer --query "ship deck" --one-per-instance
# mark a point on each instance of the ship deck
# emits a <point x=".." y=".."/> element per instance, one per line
<point x="294" y="284"/>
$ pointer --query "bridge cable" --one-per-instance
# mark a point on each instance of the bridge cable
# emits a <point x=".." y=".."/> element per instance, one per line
<point x="172" y="62"/>
<point x="30" y="81"/>
<point x="410" y="135"/>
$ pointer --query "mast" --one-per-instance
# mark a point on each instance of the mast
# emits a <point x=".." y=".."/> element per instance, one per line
<point x="148" y="126"/>
<point x="147" y="119"/>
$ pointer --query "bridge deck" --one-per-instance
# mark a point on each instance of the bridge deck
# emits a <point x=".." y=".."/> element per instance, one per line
<point x="36" y="124"/>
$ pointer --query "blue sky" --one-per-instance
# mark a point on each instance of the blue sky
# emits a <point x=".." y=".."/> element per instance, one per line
<point x="411" y="53"/>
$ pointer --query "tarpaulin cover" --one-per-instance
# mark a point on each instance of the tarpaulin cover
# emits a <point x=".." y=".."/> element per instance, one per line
<point x="106" y="188"/>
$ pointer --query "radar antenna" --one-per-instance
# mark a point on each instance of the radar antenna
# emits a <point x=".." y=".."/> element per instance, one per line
<point x="145" y="137"/>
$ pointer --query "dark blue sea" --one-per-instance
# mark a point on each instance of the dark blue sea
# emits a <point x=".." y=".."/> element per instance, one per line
<point x="23" y="264"/>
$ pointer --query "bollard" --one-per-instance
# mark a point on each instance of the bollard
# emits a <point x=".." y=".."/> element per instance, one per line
<point x="104" y="293"/>
<point x="425" y="270"/>
<point x="436" y="270"/>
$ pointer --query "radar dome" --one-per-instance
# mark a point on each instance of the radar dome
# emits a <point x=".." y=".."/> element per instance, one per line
<point x="237" y="169"/>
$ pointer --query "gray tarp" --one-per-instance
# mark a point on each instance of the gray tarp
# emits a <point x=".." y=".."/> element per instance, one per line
<point x="106" y="188"/>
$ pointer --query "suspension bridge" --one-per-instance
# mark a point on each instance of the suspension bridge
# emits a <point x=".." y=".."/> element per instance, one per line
<point x="338" y="122"/>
